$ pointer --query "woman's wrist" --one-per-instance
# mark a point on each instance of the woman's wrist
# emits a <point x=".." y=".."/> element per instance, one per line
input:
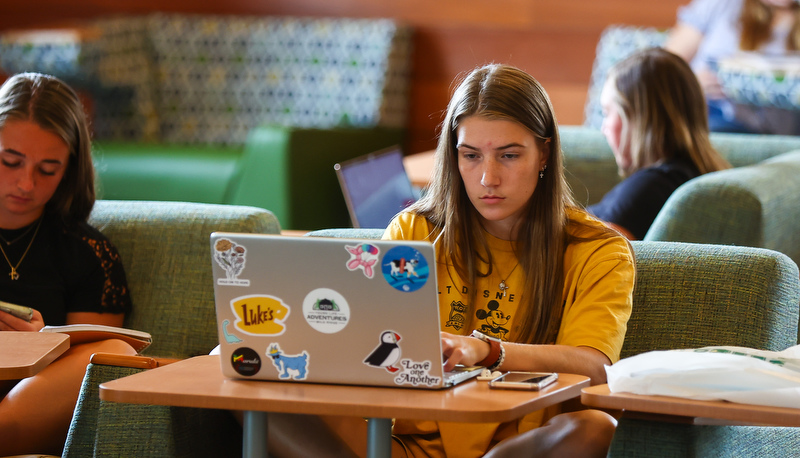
<point x="496" y="354"/>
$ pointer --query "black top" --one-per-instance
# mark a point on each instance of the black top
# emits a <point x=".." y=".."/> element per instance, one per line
<point x="636" y="201"/>
<point x="67" y="269"/>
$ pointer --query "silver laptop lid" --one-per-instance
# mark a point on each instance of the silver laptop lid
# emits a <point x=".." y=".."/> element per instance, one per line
<point x="328" y="310"/>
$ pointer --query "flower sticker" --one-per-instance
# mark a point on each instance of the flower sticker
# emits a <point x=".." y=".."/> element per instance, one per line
<point x="231" y="257"/>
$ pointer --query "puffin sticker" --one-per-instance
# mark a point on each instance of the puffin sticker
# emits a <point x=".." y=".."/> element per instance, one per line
<point x="363" y="257"/>
<point x="387" y="353"/>
<point x="293" y="367"/>
<point x="405" y="269"/>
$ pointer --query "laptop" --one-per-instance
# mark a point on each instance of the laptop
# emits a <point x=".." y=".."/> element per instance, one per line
<point x="375" y="187"/>
<point x="329" y="310"/>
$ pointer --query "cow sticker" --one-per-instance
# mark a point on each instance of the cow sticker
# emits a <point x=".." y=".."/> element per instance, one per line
<point x="405" y="269"/>
<point x="363" y="257"/>
<point x="260" y="315"/>
<point x="326" y="310"/>
<point x="290" y="367"/>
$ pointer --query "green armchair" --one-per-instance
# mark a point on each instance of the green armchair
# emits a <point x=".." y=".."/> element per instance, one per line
<point x="165" y="249"/>
<point x="689" y="296"/>
<point x="757" y="205"/>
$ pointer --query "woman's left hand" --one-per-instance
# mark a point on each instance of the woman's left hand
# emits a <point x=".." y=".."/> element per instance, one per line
<point x="9" y="322"/>
<point x="462" y="350"/>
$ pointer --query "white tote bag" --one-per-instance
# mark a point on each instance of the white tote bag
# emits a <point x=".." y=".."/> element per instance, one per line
<point x="735" y="374"/>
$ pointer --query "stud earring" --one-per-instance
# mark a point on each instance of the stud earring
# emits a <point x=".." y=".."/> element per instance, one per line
<point x="541" y="172"/>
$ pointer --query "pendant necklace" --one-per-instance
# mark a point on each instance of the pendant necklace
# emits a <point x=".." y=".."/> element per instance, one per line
<point x="503" y="287"/>
<point x="13" y="274"/>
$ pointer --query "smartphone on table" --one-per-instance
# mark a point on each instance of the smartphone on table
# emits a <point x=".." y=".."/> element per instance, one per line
<point x="524" y="380"/>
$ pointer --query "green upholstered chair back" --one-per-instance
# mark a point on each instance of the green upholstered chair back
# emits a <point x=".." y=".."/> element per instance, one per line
<point x="691" y="295"/>
<point x="164" y="247"/>
<point x="757" y="206"/>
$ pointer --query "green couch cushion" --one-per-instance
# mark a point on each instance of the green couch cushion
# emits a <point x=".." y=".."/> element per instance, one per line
<point x="165" y="249"/>
<point x="147" y="171"/>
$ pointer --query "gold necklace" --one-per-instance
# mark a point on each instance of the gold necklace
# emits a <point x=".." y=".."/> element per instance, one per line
<point x="9" y="242"/>
<point x="503" y="287"/>
<point x="13" y="274"/>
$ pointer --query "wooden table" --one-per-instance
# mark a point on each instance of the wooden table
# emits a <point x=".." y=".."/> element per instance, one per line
<point x="198" y="382"/>
<point x="736" y="413"/>
<point x="419" y="167"/>
<point x="24" y="354"/>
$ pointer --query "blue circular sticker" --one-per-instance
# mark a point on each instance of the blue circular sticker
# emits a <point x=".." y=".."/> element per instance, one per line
<point x="405" y="269"/>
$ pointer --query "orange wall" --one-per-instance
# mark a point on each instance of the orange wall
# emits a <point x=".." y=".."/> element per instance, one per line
<point x="554" y="40"/>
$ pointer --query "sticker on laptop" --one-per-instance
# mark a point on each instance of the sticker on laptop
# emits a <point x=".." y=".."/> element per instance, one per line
<point x="363" y="257"/>
<point x="231" y="257"/>
<point x="387" y="353"/>
<point x="326" y="310"/>
<point x="230" y="337"/>
<point x="294" y="367"/>
<point x="260" y="315"/>
<point x="405" y="268"/>
<point x="416" y="373"/>
<point x="245" y="361"/>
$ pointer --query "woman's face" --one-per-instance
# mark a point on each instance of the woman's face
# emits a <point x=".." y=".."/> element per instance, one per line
<point x="32" y="163"/>
<point x="612" y="126"/>
<point x="499" y="163"/>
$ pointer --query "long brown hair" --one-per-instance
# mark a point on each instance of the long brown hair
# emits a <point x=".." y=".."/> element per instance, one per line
<point x="756" y="22"/>
<point x="663" y="111"/>
<point x="502" y="92"/>
<point x="54" y="106"/>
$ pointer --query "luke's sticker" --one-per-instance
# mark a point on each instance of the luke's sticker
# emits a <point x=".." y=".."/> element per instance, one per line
<point x="363" y="257"/>
<point x="387" y="353"/>
<point x="416" y="373"/>
<point x="293" y="367"/>
<point x="231" y="257"/>
<point x="405" y="268"/>
<point x="260" y="315"/>
<point x="326" y="310"/>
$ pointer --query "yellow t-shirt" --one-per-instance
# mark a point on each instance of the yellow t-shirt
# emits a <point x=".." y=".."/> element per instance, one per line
<point x="598" y="288"/>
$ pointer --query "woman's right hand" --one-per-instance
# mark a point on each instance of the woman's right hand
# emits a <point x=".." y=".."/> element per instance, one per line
<point x="9" y="322"/>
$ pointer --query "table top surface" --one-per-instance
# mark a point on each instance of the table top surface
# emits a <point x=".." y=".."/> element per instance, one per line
<point x="198" y="382"/>
<point x="24" y="354"/>
<point x="601" y="396"/>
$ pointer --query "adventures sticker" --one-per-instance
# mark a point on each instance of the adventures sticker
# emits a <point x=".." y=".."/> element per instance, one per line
<point x="326" y="310"/>
<point x="405" y="268"/>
